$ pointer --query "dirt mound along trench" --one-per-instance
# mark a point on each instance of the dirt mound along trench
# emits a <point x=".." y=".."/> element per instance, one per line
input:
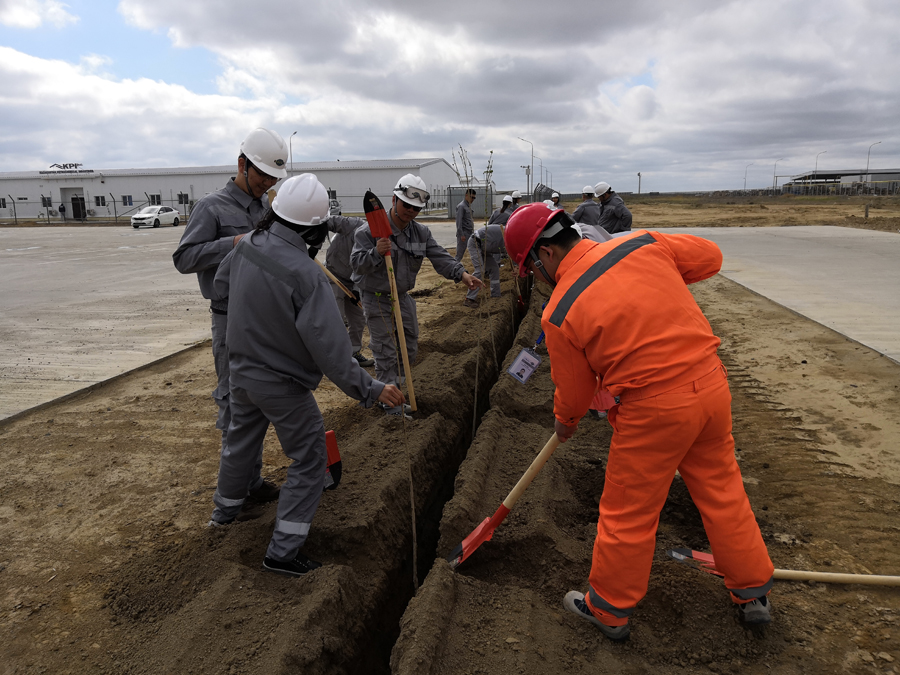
<point x="501" y="610"/>
<point x="206" y="601"/>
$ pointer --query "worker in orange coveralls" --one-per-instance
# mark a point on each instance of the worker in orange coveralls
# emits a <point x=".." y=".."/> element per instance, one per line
<point x="621" y="311"/>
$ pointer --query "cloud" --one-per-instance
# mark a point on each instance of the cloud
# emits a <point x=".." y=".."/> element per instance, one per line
<point x="34" y="13"/>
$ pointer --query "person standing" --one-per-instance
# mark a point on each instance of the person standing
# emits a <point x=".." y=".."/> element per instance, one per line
<point x="284" y="333"/>
<point x="501" y="215"/>
<point x="218" y="222"/>
<point x="62" y="211"/>
<point x="485" y="247"/>
<point x="464" y="223"/>
<point x="337" y="261"/>
<point x="588" y="212"/>
<point x="614" y="216"/>
<point x="409" y="244"/>
<point x="516" y="196"/>
<point x="657" y="354"/>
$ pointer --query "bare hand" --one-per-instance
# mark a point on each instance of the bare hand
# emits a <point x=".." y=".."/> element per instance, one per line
<point x="392" y="396"/>
<point x="383" y="246"/>
<point x="471" y="282"/>
<point x="564" y="432"/>
<point x="237" y="239"/>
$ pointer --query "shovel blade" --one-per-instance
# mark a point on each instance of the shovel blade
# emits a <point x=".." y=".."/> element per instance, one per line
<point x="478" y="536"/>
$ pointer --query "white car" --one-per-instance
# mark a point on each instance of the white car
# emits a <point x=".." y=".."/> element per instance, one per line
<point x="155" y="216"/>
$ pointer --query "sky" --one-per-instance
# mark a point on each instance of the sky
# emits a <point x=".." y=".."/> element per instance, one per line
<point x="693" y="95"/>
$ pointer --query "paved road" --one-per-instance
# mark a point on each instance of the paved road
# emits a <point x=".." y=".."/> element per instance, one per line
<point x="82" y="305"/>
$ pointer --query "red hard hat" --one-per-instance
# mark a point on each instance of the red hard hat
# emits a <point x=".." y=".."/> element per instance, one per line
<point x="523" y="229"/>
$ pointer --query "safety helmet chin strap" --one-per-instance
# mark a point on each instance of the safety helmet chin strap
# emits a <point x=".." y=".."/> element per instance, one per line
<point x="536" y="261"/>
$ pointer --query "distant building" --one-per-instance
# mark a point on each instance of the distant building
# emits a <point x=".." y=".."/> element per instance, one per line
<point x="110" y="193"/>
<point x="844" y="182"/>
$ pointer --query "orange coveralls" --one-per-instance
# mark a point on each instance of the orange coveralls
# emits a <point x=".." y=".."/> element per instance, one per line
<point x="621" y="310"/>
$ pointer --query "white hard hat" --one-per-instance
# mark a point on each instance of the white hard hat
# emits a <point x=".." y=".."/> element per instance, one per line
<point x="516" y="194"/>
<point x="267" y="151"/>
<point x="555" y="194"/>
<point x="549" y="202"/>
<point x="507" y="198"/>
<point x="601" y="188"/>
<point x="302" y="200"/>
<point x="587" y="190"/>
<point x="411" y="189"/>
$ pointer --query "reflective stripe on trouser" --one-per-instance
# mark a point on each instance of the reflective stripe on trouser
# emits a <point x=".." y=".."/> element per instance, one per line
<point x="301" y="432"/>
<point x="689" y="429"/>
<point x="382" y="335"/>
<point x="493" y="270"/>
<point x="221" y="392"/>
<point x="350" y="312"/>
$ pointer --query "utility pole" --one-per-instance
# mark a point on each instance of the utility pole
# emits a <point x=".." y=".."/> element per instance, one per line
<point x="774" y="179"/>
<point x="816" y="171"/>
<point x="639" y="182"/>
<point x="867" y="163"/>
<point x="530" y="192"/>
<point x="745" y="175"/>
<point x="291" y="148"/>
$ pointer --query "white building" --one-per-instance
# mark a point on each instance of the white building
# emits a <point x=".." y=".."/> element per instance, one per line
<point x="119" y="193"/>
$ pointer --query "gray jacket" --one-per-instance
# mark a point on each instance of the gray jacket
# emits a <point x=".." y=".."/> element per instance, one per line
<point x="284" y="327"/>
<point x="409" y="248"/>
<point x="464" y="222"/>
<point x="337" y="257"/>
<point x="614" y="215"/>
<point x="587" y="213"/>
<point x="214" y="223"/>
<point x="500" y="217"/>
<point x="491" y="237"/>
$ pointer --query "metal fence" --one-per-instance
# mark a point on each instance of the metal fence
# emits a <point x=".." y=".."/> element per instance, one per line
<point x="77" y="209"/>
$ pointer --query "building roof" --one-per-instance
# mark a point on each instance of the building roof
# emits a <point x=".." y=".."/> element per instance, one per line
<point x="298" y="167"/>
<point x="837" y="174"/>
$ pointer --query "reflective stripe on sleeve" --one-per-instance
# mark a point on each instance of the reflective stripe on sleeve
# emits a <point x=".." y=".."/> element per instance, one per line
<point x="594" y="272"/>
<point x="289" y="527"/>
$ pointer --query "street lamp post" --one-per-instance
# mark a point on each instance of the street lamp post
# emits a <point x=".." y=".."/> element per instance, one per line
<point x="867" y="163"/>
<point x="639" y="182"/>
<point x="527" y="168"/>
<point x="542" y="170"/>
<point x="532" y="158"/>
<point x="816" y="171"/>
<point x="291" y="149"/>
<point x="774" y="179"/>
<point x="745" y="175"/>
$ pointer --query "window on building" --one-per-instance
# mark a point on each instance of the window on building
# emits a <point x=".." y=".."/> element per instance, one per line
<point x="2" y="202"/>
<point x="46" y="202"/>
<point x="22" y="199"/>
<point x="183" y="198"/>
<point x="99" y="200"/>
<point x="127" y="201"/>
<point x="155" y="200"/>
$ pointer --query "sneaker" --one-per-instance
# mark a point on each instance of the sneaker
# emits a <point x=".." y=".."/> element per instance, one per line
<point x="266" y="492"/>
<point x="216" y="523"/>
<point x="597" y="414"/>
<point x="574" y="602"/>
<point x="471" y="304"/>
<point x="297" y="567"/>
<point x="757" y="612"/>
<point x="362" y="360"/>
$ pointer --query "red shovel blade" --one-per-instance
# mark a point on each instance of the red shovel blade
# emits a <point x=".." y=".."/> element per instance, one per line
<point x="696" y="559"/>
<point x="376" y="216"/>
<point x="479" y="535"/>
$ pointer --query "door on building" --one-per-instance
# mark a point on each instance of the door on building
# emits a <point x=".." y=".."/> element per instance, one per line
<point x="78" y="210"/>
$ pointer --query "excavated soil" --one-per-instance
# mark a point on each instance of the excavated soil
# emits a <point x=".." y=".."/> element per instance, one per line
<point x="106" y="565"/>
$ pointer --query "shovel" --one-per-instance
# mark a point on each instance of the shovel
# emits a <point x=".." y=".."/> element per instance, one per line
<point x="706" y="563"/>
<point x="380" y="228"/>
<point x="485" y="531"/>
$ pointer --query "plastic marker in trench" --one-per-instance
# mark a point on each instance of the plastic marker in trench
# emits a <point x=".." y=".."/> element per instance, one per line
<point x="485" y="531"/>
<point x="380" y="228"/>
<point x="706" y="563"/>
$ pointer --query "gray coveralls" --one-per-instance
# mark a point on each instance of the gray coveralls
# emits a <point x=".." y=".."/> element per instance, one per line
<point x="614" y="215"/>
<point x="215" y="221"/>
<point x="409" y="247"/>
<point x="499" y="217"/>
<point x="484" y="245"/>
<point x="284" y="332"/>
<point x="464" y="227"/>
<point x="592" y="233"/>
<point x="337" y="261"/>
<point x="588" y="213"/>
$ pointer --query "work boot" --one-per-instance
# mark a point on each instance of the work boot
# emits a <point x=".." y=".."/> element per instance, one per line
<point x="215" y="523"/>
<point x="266" y="492"/>
<point x="757" y="611"/>
<point x="471" y="304"/>
<point x="362" y="360"/>
<point x="297" y="567"/>
<point x="574" y="602"/>
<point x="597" y="414"/>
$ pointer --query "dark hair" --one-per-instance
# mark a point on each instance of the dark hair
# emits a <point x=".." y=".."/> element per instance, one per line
<point x="471" y="191"/>
<point x="313" y="235"/>
<point x="268" y="218"/>
<point x="565" y="238"/>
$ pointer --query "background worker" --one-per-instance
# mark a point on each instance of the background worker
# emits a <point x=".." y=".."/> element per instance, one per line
<point x="555" y="199"/>
<point x="588" y="211"/>
<point x="218" y="222"/>
<point x="337" y="261"/>
<point x="501" y="215"/>
<point x="614" y="216"/>
<point x="410" y="243"/>
<point x="284" y="332"/>
<point x="657" y="353"/>
<point x="485" y="246"/>
<point x="464" y="223"/>
<point x="516" y="196"/>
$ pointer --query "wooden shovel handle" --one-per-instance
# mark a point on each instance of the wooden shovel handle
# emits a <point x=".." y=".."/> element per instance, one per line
<point x="837" y="578"/>
<point x="400" y="335"/>
<point x="335" y="280"/>
<point x="532" y="471"/>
